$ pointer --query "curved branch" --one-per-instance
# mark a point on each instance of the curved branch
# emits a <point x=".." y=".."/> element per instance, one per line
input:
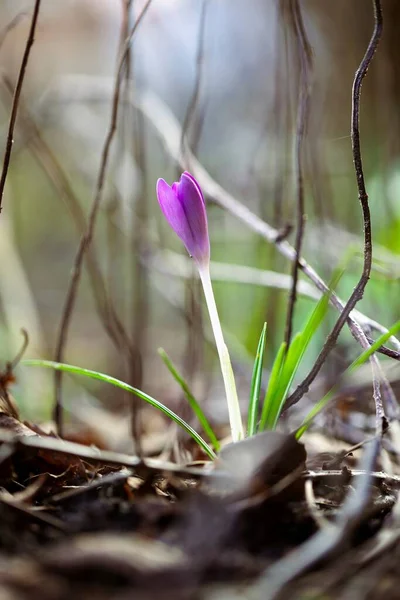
<point x="88" y="234"/>
<point x="363" y="198"/>
<point x="15" y="102"/>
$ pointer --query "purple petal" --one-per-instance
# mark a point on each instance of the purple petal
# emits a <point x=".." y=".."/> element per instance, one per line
<point x="184" y="208"/>
<point x="173" y="211"/>
<point x="192" y="202"/>
<point x="187" y="174"/>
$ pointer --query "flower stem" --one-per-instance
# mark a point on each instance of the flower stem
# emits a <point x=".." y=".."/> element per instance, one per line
<point x="235" y="417"/>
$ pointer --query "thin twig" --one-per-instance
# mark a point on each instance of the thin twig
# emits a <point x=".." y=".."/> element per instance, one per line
<point x="25" y="342"/>
<point x="190" y="135"/>
<point x="384" y="350"/>
<point x="305" y="53"/>
<point x="139" y="307"/>
<point x="318" y="516"/>
<point x="9" y="439"/>
<point x="377" y="477"/>
<point x="381" y="386"/>
<point x="194" y="99"/>
<point x="87" y="236"/>
<point x="363" y="198"/>
<point x="281" y="121"/>
<point x="15" y="102"/>
<point x="381" y="420"/>
<point x="282" y="127"/>
<point x="7" y="376"/>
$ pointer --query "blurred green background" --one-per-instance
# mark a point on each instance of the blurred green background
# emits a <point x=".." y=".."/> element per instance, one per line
<point x="228" y="70"/>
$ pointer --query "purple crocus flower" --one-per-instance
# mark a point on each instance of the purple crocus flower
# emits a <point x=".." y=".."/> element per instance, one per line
<point x="184" y="208"/>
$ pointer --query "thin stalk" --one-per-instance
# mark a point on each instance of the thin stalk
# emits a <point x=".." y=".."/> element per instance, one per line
<point x="235" y="418"/>
<point x="16" y="99"/>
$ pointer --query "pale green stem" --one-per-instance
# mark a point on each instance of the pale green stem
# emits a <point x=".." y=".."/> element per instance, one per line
<point x="235" y="418"/>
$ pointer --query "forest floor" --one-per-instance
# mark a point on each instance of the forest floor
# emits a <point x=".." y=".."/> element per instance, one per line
<point x="264" y="521"/>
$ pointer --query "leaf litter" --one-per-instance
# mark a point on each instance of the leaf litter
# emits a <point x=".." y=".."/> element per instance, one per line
<point x="76" y="520"/>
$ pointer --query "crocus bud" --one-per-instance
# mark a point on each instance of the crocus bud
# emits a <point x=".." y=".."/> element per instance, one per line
<point x="184" y="208"/>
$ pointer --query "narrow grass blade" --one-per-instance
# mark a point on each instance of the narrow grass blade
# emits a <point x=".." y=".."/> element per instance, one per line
<point x="288" y="372"/>
<point x="301" y="342"/>
<point x="124" y="386"/>
<point x="273" y="386"/>
<point x="254" y="401"/>
<point x="275" y="399"/>
<point x="364" y="356"/>
<point x="194" y="405"/>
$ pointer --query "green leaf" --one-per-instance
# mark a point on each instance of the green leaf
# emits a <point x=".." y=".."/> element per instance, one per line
<point x="273" y="387"/>
<point x="195" y="406"/>
<point x="364" y="356"/>
<point x="124" y="386"/>
<point x="289" y="370"/>
<point x="256" y="385"/>
<point x="275" y="399"/>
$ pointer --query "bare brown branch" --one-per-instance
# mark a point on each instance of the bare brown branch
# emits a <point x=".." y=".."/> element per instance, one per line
<point x="190" y="135"/>
<point x="15" y="102"/>
<point x="305" y="56"/>
<point x="139" y="305"/>
<point x="87" y="236"/>
<point x="194" y="99"/>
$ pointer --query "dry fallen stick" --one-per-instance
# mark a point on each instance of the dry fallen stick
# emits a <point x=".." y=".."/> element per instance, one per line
<point x="10" y="443"/>
<point x="376" y="476"/>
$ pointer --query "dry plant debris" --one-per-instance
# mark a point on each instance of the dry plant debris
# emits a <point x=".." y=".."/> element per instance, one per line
<point x="77" y="521"/>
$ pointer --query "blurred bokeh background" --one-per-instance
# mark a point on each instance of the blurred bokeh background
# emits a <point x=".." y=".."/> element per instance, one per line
<point x="228" y="71"/>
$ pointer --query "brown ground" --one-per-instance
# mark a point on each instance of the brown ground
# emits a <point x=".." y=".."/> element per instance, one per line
<point x="77" y="522"/>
